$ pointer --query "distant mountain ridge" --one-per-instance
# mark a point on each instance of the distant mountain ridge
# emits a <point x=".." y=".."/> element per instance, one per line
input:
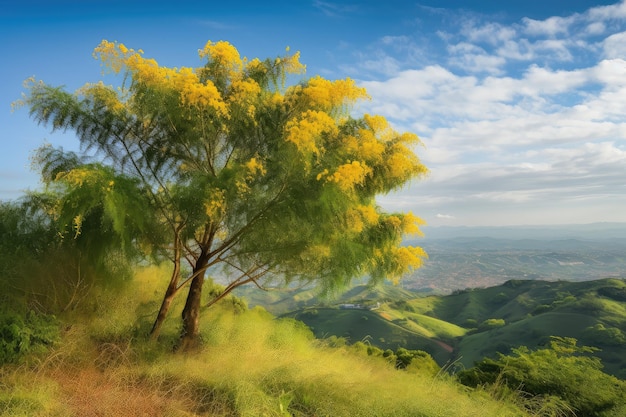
<point x="469" y="257"/>
<point x="590" y="231"/>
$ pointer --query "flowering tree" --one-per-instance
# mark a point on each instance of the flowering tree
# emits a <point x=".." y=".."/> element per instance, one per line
<point x="240" y="172"/>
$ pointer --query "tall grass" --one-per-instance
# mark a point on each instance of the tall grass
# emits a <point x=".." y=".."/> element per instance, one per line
<point x="250" y="364"/>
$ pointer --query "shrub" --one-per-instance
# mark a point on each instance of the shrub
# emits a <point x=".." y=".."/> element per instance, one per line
<point x="609" y="336"/>
<point x="618" y="294"/>
<point x="491" y="324"/>
<point x="25" y="334"/>
<point x="561" y="371"/>
<point x="416" y="361"/>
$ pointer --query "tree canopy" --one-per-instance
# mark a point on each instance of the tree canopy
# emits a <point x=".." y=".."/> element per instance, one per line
<point x="226" y="168"/>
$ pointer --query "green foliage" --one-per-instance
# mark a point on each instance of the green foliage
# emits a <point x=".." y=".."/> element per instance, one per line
<point x="615" y="293"/>
<point x="416" y="360"/>
<point x="564" y="370"/>
<point x="28" y="334"/>
<point x="490" y="324"/>
<point x="58" y="267"/>
<point x="602" y="335"/>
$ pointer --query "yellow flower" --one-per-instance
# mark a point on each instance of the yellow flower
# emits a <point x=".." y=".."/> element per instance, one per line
<point x="329" y="95"/>
<point x="407" y="258"/>
<point x="103" y="94"/>
<point x="411" y="224"/>
<point x="255" y="167"/>
<point x="224" y="54"/>
<point x="216" y="204"/>
<point x="77" y="225"/>
<point x="350" y="174"/>
<point x="306" y="133"/>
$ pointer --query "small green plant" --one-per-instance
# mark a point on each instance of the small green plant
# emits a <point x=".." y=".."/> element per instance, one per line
<point x="21" y="335"/>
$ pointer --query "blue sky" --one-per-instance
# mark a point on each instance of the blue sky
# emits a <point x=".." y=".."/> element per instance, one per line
<point x="520" y="105"/>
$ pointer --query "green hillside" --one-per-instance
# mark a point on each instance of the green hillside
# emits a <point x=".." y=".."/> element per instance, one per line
<point x="287" y="300"/>
<point x="370" y="327"/>
<point x="469" y="325"/>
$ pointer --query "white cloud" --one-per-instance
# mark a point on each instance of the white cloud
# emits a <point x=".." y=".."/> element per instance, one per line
<point x="472" y="58"/>
<point x="610" y="12"/>
<point x="517" y="120"/>
<point x="552" y="26"/>
<point x="491" y="33"/>
<point x="615" y="46"/>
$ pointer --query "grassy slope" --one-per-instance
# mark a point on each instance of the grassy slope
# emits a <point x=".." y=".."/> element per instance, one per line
<point x="532" y="312"/>
<point x="369" y="327"/>
<point x="251" y="364"/>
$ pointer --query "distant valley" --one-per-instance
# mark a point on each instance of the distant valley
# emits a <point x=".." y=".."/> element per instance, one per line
<point x="466" y="257"/>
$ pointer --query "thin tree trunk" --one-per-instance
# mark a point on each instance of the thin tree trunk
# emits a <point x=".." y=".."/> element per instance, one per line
<point x="171" y="291"/>
<point x="191" y="313"/>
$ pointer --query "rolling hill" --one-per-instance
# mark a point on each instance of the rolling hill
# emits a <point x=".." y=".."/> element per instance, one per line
<point x="468" y="325"/>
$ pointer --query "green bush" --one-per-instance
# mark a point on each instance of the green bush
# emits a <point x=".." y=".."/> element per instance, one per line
<point x="21" y="335"/>
<point x="563" y="372"/>
<point x="491" y="324"/>
<point x="609" y="336"/>
<point x="618" y="294"/>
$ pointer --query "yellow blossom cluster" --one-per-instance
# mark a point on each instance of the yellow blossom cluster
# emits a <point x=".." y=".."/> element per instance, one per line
<point x="407" y="223"/>
<point x="292" y="64"/>
<point x="367" y="147"/>
<point x="243" y="93"/>
<point x="78" y="177"/>
<point x="254" y="65"/>
<point x="77" y="224"/>
<point x="255" y="167"/>
<point x="113" y="55"/>
<point x="360" y="217"/>
<point x="242" y="186"/>
<point x="407" y="258"/>
<point x="401" y="165"/>
<point x="326" y="94"/>
<point x="215" y="205"/>
<point x="203" y="95"/>
<point x="350" y="174"/>
<point x="103" y="94"/>
<point x="411" y="224"/>
<point x="147" y="72"/>
<point x="224" y="54"/>
<point x="380" y="126"/>
<point x="306" y="132"/>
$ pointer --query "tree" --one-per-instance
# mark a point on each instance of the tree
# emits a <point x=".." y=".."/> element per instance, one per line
<point x="247" y="178"/>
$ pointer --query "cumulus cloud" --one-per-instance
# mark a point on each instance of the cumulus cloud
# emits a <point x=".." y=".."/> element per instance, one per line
<point x="518" y="118"/>
<point x="552" y="26"/>
<point x="614" y="46"/>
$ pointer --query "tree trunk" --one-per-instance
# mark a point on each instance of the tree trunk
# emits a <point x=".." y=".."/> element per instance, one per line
<point x="165" y="306"/>
<point x="171" y="291"/>
<point x="191" y="313"/>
